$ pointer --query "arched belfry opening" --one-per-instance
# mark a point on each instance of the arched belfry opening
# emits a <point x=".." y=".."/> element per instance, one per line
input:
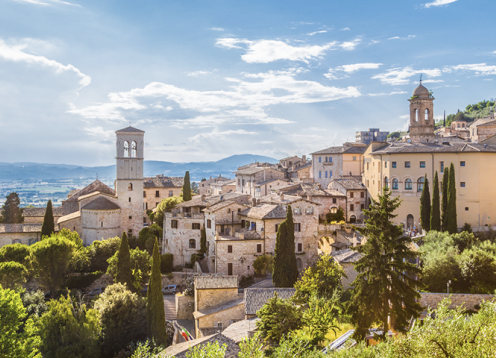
<point x="426" y="116"/>
<point x="134" y="149"/>
<point x="126" y="149"/>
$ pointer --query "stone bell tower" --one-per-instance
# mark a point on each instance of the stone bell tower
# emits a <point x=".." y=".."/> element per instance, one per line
<point x="421" y="115"/>
<point x="129" y="180"/>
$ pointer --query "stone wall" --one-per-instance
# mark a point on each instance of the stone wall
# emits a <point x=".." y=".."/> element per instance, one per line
<point x="242" y="256"/>
<point x="214" y="290"/>
<point x="225" y="317"/>
<point x="185" y="306"/>
<point x="469" y="301"/>
<point x="176" y="240"/>
<point x="100" y="225"/>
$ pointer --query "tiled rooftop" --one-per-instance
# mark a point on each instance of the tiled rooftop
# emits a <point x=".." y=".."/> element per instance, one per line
<point x="255" y="298"/>
<point x="163" y="182"/>
<point x="346" y="256"/>
<point x="101" y="203"/>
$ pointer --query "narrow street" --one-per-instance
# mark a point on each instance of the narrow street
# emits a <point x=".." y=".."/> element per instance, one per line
<point x="170" y="307"/>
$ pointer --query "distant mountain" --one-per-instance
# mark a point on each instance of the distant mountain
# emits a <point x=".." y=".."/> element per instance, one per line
<point x="197" y="170"/>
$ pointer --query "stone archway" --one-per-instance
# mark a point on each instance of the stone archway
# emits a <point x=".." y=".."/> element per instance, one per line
<point x="352" y="219"/>
<point x="409" y="222"/>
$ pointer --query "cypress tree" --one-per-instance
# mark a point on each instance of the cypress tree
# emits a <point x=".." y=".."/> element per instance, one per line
<point x="285" y="270"/>
<point x="444" y="203"/>
<point x="155" y="310"/>
<point x="186" y="187"/>
<point x="48" y="227"/>
<point x="425" y="206"/>
<point x="435" y="214"/>
<point x="11" y="212"/>
<point x="124" y="271"/>
<point x="452" y="226"/>
<point x="386" y="285"/>
<point x="203" y="241"/>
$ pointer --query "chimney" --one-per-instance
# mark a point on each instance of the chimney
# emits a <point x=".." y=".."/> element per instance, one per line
<point x="304" y="158"/>
<point x="258" y="164"/>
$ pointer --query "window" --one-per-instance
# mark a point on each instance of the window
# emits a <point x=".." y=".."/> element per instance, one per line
<point x="422" y="164"/>
<point x="325" y="174"/>
<point x="441" y="164"/>
<point x="101" y="223"/>
<point x="16" y="241"/>
<point x="385" y="165"/>
<point x="144" y="194"/>
<point x="426" y="117"/>
<point x="462" y="163"/>
<point x="146" y="206"/>
<point x="300" y="247"/>
<point x="354" y="158"/>
<point x="130" y="232"/>
<point x="130" y="217"/>
<point x="466" y="208"/>
<point x="325" y="159"/>
<point x="259" y="248"/>
<point x="420" y="184"/>
<point x="297" y="210"/>
<point x="222" y="228"/>
<point x="309" y="210"/>
<point x="386" y="182"/>
<point x="362" y="207"/>
<point x="229" y="249"/>
<point x="407" y="164"/>
<point x="229" y="272"/>
<point x="352" y="207"/>
<point x="209" y="224"/>
<point x="330" y="174"/>
<point x="351" y="195"/>
<point x="408" y="184"/>
<point x="320" y="175"/>
<point x="462" y="184"/>
<point x="334" y="200"/>
<point x="277" y="227"/>
<point x="157" y="194"/>
<point x="133" y="149"/>
<point x="171" y="193"/>
<point x="126" y="149"/>
<point x="192" y="244"/>
<point x="174" y="224"/>
<point x="297" y="227"/>
<point x="362" y="194"/>
<point x="195" y="226"/>
<point x="330" y="159"/>
<point x="130" y="186"/>
<point x="367" y="166"/>
<point x="395" y="184"/>
<point x="320" y="159"/>
<point x="129" y="199"/>
<point x="393" y="164"/>
<point x="156" y="204"/>
<point x="334" y="210"/>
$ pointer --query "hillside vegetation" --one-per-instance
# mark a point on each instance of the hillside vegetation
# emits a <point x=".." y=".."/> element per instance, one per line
<point x="471" y="113"/>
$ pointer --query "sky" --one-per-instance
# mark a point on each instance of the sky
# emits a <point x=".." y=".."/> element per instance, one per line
<point x="209" y="79"/>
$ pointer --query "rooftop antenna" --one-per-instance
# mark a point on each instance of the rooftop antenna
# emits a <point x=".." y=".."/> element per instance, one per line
<point x="444" y="120"/>
<point x="96" y="176"/>
<point x="420" y="78"/>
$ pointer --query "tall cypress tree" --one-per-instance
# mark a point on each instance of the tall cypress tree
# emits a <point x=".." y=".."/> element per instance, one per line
<point x="386" y="284"/>
<point x="155" y="311"/>
<point x="124" y="271"/>
<point x="444" y="203"/>
<point x="186" y="187"/>
<point x="452" y="226"/>
<point x="425" y="206"/>
<point x="48" y="227"/>
<point x="285" y="270"/>
<point x="435" y="214"/>
<point x="11" y="212"/>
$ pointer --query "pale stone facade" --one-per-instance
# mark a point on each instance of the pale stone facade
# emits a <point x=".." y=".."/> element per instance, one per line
<point x="248" y="176"/>
<point x="421" y="115"/>
<point x="223" y="187"/>
<point x="482" y="129"/>
<point x="356" y="197"/>
<point x="26" y="234"/>
<point x="205" y="186"/>
<point x="372" y="135"/>
<point x="160" y="187"/>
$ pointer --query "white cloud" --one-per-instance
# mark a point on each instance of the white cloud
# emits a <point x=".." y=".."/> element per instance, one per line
<point x="409" y="37"/>
<point x="401" y="76"/>
<point x="245" y="101"/>
<point x="216" y="29"/>
<point x="433" y="81"/>
<point x="317" y="32"/>
<point x="198" y="73"/>
<point x="47" y="2"/>
<point x="219" y="135"/>
<point x="332" y="74"/>
<point x="15" y="53"/>
<point x="265" y="51"/>
<point x="345" y="29"/>
<point x="480" y="69"/>
<point x="386" y="94"/>
<point x="439" y="3"/>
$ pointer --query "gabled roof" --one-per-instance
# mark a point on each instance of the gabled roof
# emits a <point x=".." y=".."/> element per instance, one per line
<point x="222" y="205"/>
<point x="255" y="298"/>
<point x="68" y="217"/>
<point x="101" y="203"/>
<point x="219" y="308"/>
<point x="265" y="211"/>
<point x="212" y="200"/>
<point x="344" y="149"/>
<point x="449" y="147"/>
<point x="97" y="185"/>
<point x="163" y="182"/>
<point x="18" y="228"/>
<point x="130" y="129"/>
<point x="40" y="212"/>
<point x="346" y="256"/>
<point x="350" y="183"/>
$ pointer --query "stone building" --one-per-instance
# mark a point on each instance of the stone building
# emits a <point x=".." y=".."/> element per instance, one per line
<point x="223" y="187"/>
<point x="301" y="172"/>
<point x="205" y="186"/>
<point x="37" y="215"/>
<point x="372" y="135"/>
<point x="25" y="233"/>
<point x="266" y="187"/>
<point x="182" y="226"/>
<point x="98" y="212"/>
<point x="337" y="162"/>
<point x="160" y="187"/>
<point x="346" y="259"/>
<point x="402" y="167"/>
<point x="482" y="129"/>
<point x="421" y="115"/>
<point x="356" y="197"/>
<point x="251" y="174"/>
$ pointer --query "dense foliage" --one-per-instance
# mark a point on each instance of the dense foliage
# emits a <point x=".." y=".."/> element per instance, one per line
<point x="155" y="311"/>
<point x="263" y="265"/>
<point x="11" y="213"/>
<point x="285" y="270"/>
<point x="425" y="206"/>
<point x="386" y="284"/>
<point x="166" y="263"/>
<point x="337" y="216"/>
<point x="15" y="252"/>
<point x="124" y="272"/>
<point x="140" y="263"/>
<point x="48" y="226"/>
<point x="451" y="225"/>
<point x="165" y="206"/>
<point x="186" y="187"/>
<point x="12" y="274"/>
<point x="12" y="313"/>
<point x="435" y="209"/>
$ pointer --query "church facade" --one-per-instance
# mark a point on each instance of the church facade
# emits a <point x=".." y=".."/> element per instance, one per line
<point x="99" y="212"/>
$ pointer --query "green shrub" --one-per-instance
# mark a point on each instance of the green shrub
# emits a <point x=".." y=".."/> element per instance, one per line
<point x="100" y="251"/>
<point x="263" y="265"/>
<point x="80" y="282"/>
<point x="166" y="262"/>
<point x="338" y="216"/>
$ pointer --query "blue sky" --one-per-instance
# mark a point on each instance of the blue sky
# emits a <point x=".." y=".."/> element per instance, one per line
<point x="208" y="79"/>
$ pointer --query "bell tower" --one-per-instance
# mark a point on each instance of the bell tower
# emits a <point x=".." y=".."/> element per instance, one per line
<point x="421" y="115"/>
<point x="129" y="178"/>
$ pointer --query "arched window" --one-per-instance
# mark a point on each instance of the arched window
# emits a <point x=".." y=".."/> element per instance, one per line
<point x="420" y="184"/>
<point x="408" y="184"/>
<point x="386" y="182"/>
<point x="395" y="184"/>
<point x="352" y="219"/>
<point x="133" y="149"/>
<point x="416" y="115"/>
<point x="426" y="114"/>
<point x="130" y="186"/>
<point x="297" y="210"/>
<point x="309" y="210"/>
<point x="126" y="149"/>
<point x="192" y="244"/>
